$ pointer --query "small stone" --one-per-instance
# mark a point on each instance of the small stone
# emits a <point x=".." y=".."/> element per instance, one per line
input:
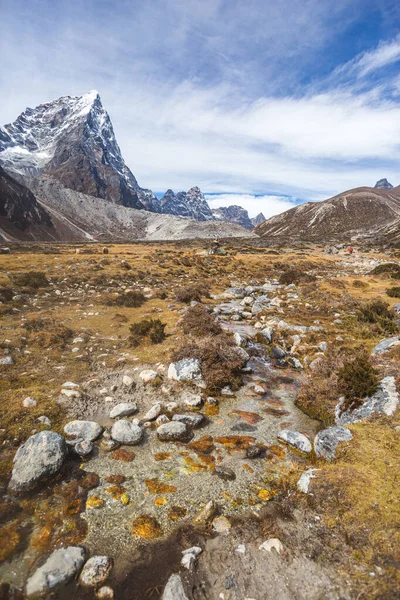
<point x="174" y="589"/>
<point x="193" y="401"/>
<point x="272" y="544"/>
<point x="95" y="571"/>
<point x="225" y="473"/>
<point x="253" y="452"/>
<point x="105" y="593"/>
<point x="161" y="420"/>
<point x="206" y="513"/>
<point x="124" y="409"/>
<point x="173" y="431"/>
<point x="109" y="445"/>
<point x="221" y="524"/>
<point x="61" y="566"/>
<point x="83" y="430"/>
<point x="29" y="402"/>
<point x="226" y="391"/>
<point x="190" y="557"/>
<point x="153" y="412"/>
<point x="44" y="420"/>
<point x="83" y="448"/>
<point x="304" y="481"/>
<point x="126" y="432"/>
<point x="296" y="440"/>
<point x="7" y="360"/>
<point x="190" y="420"/>
<point x="294" y="362"/>
<point x="69" y="385"/>
<point x="128" y="381"/>
<point x="277" y="352"/>
<point x="148" y="375"/>
<point x="267" y="333"/>
<point x="187" y="369"/>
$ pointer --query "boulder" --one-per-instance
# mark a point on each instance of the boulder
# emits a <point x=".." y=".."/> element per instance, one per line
<point x="174" y="431"/>
<point x="385" y="401"/>
<point x="148" y="375"/>
<point x="96" y="571"/>
<point x="83" y="430"/>
<point x="40" y="457"/>
<point x="326" y="441"/>
<point x="61" y="566"/>
<point x="174" y="589"/>
<point x="296" y="440"/>
<point x="126" y="432"/>
<point x="187" y="369"/>
<point x="267" y="333"/>
<point x="123" y="409"/>
<point x="385" y="345"/>
<point x="192" y="420"/>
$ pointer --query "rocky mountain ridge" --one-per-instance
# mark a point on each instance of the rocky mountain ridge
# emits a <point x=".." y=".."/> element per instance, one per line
<point x="234" y="214"/>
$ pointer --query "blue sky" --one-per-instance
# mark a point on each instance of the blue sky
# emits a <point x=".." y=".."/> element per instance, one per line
<point x="263" y="102"/>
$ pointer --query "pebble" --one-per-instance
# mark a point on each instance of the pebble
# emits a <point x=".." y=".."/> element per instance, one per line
<point x="29" y="402"/>
<point x="128" y="381"/>
<point x="105" y="593"/>
<point x="221" y="525"/>
<point x="124" y="409"/>
<point x="272" y="544"/>
<point x="154" y="412"/>
<point x="95" y="571"/>
<point x="83" y="448"/>
<point x="148" y="375"/>
<point x="225" y="473"/>
<point x="193" y="401"/>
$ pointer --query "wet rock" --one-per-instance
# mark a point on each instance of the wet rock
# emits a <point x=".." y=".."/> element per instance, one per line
<point x="174" y="589"/>
<point x="83" y="430"/>
<point x="187" y="369"/>
<point x="245" y="357"/>
<point x="207" y="513"/>
<point x="154" y="412"/>
<point x="385" y="401"/>
<point x="105" y="593"/>
<point x="126" y="432"/>
<point x="83" y="448"/>
<point x="225" y="473"/>
<point x="221" y="525"/>
<point x="95" y="571"/>
<point x="240" y="339"/>
<point x="385" y="345"/>
<point x="253" y="452"/>
<point x="267" y="333"/>
<point x="174" y="431"/>
<point x="123" y="409"/>
<point x="7" y="360"/>
<point x="296" y="440"/>
<point x="272" y="544"/>
<point x="61" y="566"/>
<point x="40" y="457"/>
<point x="148" y="375"/>
<point x="304" y="481"/>
<point x="190" y="420"/>
<point x="277" y="352"/>
<point x="326" y="441"/>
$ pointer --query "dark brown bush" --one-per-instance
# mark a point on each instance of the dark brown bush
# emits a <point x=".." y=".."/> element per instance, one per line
<point x="357" y="378"/>
<point x="32" y="279"/>
<point x="378" y="315"/>
<point x="390" y="269"/>
<point x="6" y="294"/>
<point x="195" y="292"/>
<point x="130" y="299"/>
<point x="393" y="292"/>
<point x="295" y="275"/>
<point x="151" y="329"/>
<point x="199" y="322"/>
<point x="220" y="363"/>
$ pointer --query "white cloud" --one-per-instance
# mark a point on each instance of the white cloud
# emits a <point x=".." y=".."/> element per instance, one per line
<point x="268" y="205"/>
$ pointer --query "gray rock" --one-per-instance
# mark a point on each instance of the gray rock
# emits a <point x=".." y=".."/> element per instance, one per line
<point x="153" y="412"/>
<point x="61" y="566"/>
<point x="303" y="483"/>
<point x="173" y="431"/>
<point x="193" y="401"/>
<point x="277" y="352"/>
<point x="385" y="345"/>
<point x="240" y="339"/>
<point x="123" y="409"/>
<point x="225" y="473"/>
<point x="267" y="333"/>
<point x="243" y="355"/>
<point x="126" y="432"/>
<point x="235" y="292"/>
<point x="83" y="448"/>
<point x="83" y="430"/>
<point x="192" y="420"/>
<point x="7" y="360"/>
<point x="294" y="362"/>
<point x="96" y="571"/>
<point x="385" y="400"/>
<point x="29" y="402"/>
<point x="326" y="441"/>
<point x="295" y="439"/>
<point x="40" y="457"/>
<point x="174" y="589"/>
<point x="187" y="369"/>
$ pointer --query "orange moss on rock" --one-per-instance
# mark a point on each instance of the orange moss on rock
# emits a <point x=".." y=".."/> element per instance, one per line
<point x="122" y="454"/>
<point x="9" y="540"/>
<point x="146" y="527"/>
<point x="176" y="512"/>
<point x="158" y="487"/>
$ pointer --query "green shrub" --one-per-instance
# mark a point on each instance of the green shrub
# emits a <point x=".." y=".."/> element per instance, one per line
<point x="199" y="322"/>
<point x="390" y="269"/>
<point x="393" y="292"/>
<point x="131" y="299"/>
<point x="378" y="314"/>
<point x="151" y="329"/>
<point x="357" y="379"/>
<point x="32" y="279"/>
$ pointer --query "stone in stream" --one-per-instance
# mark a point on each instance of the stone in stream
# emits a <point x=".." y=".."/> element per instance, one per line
<point x="83" y="448"/>
<point x="225" y="473"/>
<point x="173" y="431"/>
<point x="123" y="409"/>
<point x="277" y="352"/>
<point x="95" y="571"/>
<point x="294" y="362"/>
<point x="326" y="441"/>
<point x="40" y="457"/>
<point x="296" y="440"/>
<point x="61" y="566"/>
<point x="174" y="589"/>
<point x="187" y="369"/>
<point x="253" y="451"/>
<point x="267" y="333"/>
<point x="83" y="430"/>
<point x="240" y="339"/>
<point x="126" y="432"/>
<point x="105" y="593"/>
<point x="192" y="420"/>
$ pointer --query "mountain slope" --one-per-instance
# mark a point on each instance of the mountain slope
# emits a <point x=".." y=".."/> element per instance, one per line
<point x="258" y="219"/>
<point x="72" y="139"/>
<point x="361" y="213"/>
<point x="187" y="204"/>
<point x="233" y="214"/>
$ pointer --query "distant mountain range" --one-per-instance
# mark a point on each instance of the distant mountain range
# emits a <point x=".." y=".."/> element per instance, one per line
<point x="70" y="144"/>
<point x="361" y="214"/>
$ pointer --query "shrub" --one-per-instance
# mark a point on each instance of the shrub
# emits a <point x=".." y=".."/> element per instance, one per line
<point x="32" y="279"/>
<point x="131" y="299"/>
<point x="357" y="379"/>
<point x="220" y="363"/>
<point x="192" y="292"/>
<point x="199" y="322"/>
<point x="378" y="314"/>
<point x="152" y="329"/>
<point x="6" y="294"/>
<point x="390" y="269"/>
<point x="393" y="292"/>
<point x="293" y="275"/>
<point x="360" y="284"/>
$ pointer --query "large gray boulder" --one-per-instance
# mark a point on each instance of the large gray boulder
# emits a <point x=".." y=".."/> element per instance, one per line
<point x="61" y="566"/>
<point x="174" y="589"/>
<point x="385" y="401"/>
<point x="126" y="432"/>
<point x="40" y="457"/>
<point x="326" y="441"/>
<point x="187" y="369"/>
<point x="295" y="439"/>
<point x="385" y="345"/>
<point x="83" y="430"/>
<point x="174" y="431"/>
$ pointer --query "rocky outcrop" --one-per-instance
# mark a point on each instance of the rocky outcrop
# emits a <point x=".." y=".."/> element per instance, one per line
<point x="258" y="219"/>
<point x="383" y="184"/>
<point x="190" y="204"/>
<point x="327" y="440"/>
<point x="233" y="214"/>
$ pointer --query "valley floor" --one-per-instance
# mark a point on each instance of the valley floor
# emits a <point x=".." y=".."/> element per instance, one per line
<point x="284" y="334"/>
